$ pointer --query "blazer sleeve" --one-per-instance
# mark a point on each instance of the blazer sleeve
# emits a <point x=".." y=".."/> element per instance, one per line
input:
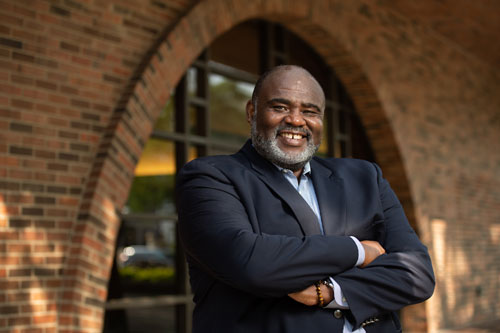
<point x="401" y="277"/>
<point x="218" y="238"/>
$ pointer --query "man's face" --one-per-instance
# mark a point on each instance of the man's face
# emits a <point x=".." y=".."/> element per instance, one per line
<point x="288" y="123"/>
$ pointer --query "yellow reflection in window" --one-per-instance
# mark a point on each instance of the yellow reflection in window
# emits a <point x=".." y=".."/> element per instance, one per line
<point x="193" y="153"/>
<point x="158" y="158"/>
<point x="323" y="148"/>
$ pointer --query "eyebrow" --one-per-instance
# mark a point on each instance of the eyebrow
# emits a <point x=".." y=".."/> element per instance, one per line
<point x="288" y="102"/>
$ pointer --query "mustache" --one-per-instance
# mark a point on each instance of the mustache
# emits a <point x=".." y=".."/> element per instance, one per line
<point x="301" y="130"/>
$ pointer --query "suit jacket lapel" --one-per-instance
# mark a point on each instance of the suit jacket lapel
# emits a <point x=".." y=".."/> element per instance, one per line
<point x="331" y="198"/>
<point x="272" y="177"/>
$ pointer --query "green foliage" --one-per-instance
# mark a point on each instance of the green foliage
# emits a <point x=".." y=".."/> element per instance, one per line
<point x="148" y="193"/>
<point x="227" y="109"/>
<point x="166" y="120"/>
<point x="148" y="274"/>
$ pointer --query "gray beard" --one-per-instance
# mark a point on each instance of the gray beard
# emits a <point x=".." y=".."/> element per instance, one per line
<point x="268" y="148"/>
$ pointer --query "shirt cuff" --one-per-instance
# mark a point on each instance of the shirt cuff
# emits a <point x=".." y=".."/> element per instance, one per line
<point x="339" y="301"/>
<point x="361" y="251"/>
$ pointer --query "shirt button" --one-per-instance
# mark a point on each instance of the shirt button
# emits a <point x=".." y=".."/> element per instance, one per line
<point x="344" y="300"/>
<point x="337" y="314"/>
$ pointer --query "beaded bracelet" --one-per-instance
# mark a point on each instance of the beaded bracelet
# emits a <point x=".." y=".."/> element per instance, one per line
<point x="320" y="296"/>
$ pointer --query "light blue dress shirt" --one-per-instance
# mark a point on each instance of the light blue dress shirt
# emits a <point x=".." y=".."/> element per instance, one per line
<point x="305" y="187"/>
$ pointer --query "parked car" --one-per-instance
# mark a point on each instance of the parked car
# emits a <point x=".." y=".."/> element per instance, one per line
<point x="143" y="256"/>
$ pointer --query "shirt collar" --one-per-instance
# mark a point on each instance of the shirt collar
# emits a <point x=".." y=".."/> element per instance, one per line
<point x="306" y="171"/>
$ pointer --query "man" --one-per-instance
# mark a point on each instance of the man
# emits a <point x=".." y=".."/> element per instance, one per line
<point x="280" y="241"/>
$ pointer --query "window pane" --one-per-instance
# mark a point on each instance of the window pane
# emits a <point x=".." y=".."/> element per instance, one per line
<point x="337" y="149"/>
<point x="153" y="187"/>
<point x="197" y="121"/>
<point x="344" y="149"/>
<point x="216" y="150"/>
<point x="154" y="319"/>
<point x="193" y="120"/>
<point x="192" y="81"/>
<point x="144" y="267"/>
<point x="228" y="100"/>
<point x="194" y="152"/>
<point x="279" y="38"/>
<point x="344" y="121"/>
<point x="323" y="149"/>
<point x="152" y="246"/>
<point x="360" y="144"/>
<point x="239" y="48"/>
<point x="166" y="120"/>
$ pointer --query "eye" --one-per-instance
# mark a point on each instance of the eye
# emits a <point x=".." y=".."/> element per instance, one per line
<point x="280" y="108"/>
<point x="311" y="112"/>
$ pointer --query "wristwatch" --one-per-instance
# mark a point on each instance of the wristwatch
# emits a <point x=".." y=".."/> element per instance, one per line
<point x="327" y="282"/>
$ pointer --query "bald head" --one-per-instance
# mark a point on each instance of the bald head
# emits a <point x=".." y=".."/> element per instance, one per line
<point x="287" y="128"/>
<point x="285" y="69"/>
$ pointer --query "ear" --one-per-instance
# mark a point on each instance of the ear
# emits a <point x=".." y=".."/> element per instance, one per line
<point x="250" y="111"/>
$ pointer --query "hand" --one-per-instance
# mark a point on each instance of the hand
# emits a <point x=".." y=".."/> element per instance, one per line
<point x="309" y="296"/>
<point x="372" y="250"/>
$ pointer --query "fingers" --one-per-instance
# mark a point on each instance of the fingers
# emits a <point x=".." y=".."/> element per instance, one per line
<point x="373" y="246"/>
<point x="373" y="249"/>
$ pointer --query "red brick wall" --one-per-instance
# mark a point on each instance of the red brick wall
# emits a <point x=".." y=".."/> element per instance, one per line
<point x="64" y="69"/>
<point x="81" y="83"/>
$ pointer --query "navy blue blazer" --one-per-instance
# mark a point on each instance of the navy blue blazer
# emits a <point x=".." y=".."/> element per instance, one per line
<point x="250" y="239"/>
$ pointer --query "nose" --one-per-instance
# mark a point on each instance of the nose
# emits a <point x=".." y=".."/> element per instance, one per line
<point x="295" y="118"/>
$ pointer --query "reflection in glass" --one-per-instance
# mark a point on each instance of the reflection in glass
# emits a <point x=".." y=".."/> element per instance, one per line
<point x="145" y="255"/>
<point x="166" y="120"/>
<point x="217" y="150"/>
<point x="197" y="120"/>
<point x="192" y="81"/>
<point x="157" y="158"/>
<point x="193" y="120"/>
<point x="279" y="38"/>
<point x="323" y="149"/>
<point x="344" y="121"/>
<point x="337" y="149"/>
<point x="240" y="47"/>
<point x="153" y="187"/>
<point x="343" y="147"/>
<point x="193" y="153"/>
<point x="152" y="320"/>
<point x="228" y="100"/>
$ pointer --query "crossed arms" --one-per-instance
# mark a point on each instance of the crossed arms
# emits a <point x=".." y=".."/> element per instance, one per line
<point x="309" y="296"/>
<point x="219" y="236"/>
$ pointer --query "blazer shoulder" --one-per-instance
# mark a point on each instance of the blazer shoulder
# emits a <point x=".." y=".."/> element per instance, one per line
<point x="218" y="166"/>
<point x="220" y="162"/>
<point x="343" y="166"/>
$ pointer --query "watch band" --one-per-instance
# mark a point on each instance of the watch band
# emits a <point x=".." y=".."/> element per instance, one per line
<point x="327" y="282"/>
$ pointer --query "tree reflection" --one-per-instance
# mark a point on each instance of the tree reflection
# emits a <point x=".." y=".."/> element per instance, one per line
<point x="227" y="108"/>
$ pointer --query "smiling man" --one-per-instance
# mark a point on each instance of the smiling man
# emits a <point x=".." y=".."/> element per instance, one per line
<point x="280" y="241"/>
<point x="288" y="130"/>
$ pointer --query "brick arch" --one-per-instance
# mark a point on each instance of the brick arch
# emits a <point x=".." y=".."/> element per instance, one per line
<point x="134" y="116"/>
